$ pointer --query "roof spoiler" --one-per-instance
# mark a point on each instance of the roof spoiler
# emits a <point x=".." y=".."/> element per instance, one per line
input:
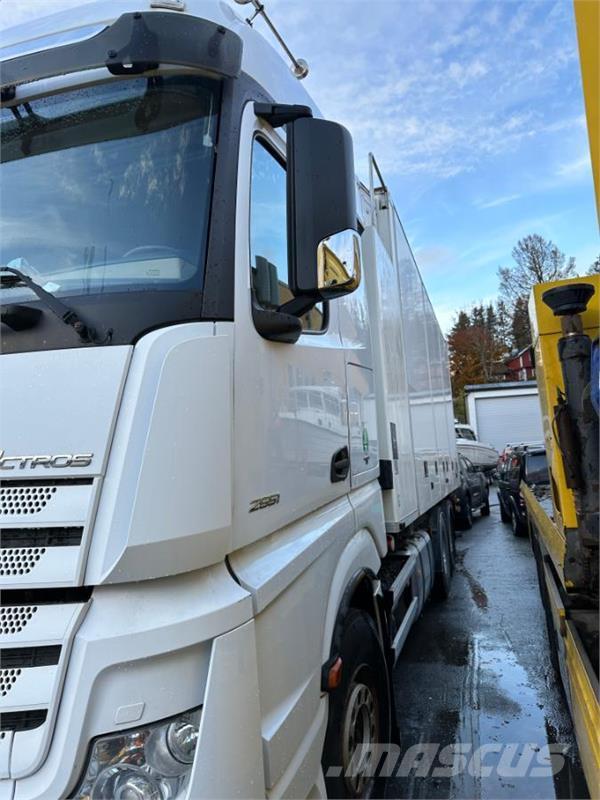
<point x="135" y="43"/>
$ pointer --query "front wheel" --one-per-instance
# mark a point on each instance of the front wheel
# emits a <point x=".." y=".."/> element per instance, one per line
<point x="359" y="712"/>
<point x="485" y="508"/>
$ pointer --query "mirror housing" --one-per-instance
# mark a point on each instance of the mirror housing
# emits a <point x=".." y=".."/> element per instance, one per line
<point x="324" y="248"/>
<point x="324" y="257"/>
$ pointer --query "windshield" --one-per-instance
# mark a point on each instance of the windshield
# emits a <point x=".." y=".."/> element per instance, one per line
<point x="108" y="188"/>
<point x="536" y="468"/>
<point x="465" y="433"/>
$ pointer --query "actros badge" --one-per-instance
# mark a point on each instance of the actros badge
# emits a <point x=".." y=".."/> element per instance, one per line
<point x="61" y="461"/>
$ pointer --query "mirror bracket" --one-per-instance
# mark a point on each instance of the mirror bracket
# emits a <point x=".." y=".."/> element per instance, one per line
<point x="275" y="324"/>
<point x="277" y="114"/>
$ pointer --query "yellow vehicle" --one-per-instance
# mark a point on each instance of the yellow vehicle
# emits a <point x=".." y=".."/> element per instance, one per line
<point x="564" y="527"/>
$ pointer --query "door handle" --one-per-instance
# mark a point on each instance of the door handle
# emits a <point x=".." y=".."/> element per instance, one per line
<point x="340" y="465"/>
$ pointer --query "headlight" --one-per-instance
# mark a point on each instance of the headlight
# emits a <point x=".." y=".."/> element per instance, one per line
<point x="151" y="763"/>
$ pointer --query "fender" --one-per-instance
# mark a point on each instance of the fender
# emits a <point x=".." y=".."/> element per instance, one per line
<point x="360" y="553"/>
<point x="362" y="589"/>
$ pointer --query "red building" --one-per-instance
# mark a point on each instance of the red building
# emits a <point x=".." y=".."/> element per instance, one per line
<point x="519" y="366"/>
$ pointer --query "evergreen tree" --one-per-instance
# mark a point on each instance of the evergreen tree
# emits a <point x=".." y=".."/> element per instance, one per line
<point x="520" y="329"/>
<point x="504" y="325"/>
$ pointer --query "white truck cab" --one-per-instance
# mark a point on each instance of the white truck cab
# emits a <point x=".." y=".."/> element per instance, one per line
<point x="226" y="429"/>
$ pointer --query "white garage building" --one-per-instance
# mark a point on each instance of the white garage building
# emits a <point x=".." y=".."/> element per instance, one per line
<point x="505" y="413"/>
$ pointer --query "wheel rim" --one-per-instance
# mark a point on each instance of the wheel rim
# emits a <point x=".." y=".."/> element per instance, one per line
<point x="361" y="723"/>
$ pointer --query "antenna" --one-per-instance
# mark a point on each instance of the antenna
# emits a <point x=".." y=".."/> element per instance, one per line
<point x="299" y="66"/>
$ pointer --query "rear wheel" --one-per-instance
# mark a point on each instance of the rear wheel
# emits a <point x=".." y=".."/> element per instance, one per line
<point x="518" y="528"/>
<point x="504" y="514"/>
<point x="443" y="577"/>
<point x="359" y="712"/>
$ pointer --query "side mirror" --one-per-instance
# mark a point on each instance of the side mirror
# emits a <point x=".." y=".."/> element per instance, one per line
<point x="324" y="246"/>
<point x="324" y="259"/>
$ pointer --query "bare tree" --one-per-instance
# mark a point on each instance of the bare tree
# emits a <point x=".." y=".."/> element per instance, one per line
<point x="536" y="261"/>
<point x="594" y="268"/>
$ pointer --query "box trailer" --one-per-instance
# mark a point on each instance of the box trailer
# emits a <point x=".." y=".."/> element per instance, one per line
<point x="505" y="413"/>
<point x="228" y="456"/>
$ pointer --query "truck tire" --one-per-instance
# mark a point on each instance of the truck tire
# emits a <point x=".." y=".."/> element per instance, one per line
<point x="485" y="508"/>
<point x="467" y="514"/>
<point x="359" y="713"/>
<point x="517" y="526"/>
<point x="504" y="515"/>
<point x="443" y="577"/>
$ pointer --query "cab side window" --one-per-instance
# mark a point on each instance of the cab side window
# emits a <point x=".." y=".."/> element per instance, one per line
<point x="268" y="236"/>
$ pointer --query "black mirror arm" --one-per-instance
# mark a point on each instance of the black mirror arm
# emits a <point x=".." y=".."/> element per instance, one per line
<point x="279" y="114"/>
<point x="298" y="306"/>
<point x="275" y="325"/>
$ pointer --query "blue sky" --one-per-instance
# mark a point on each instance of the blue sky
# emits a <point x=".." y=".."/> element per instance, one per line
<point x="474" y="111"/>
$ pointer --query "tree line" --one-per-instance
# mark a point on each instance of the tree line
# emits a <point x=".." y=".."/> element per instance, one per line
<point x="483" y="336"/>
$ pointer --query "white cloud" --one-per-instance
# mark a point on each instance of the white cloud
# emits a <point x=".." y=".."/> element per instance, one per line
<point x="576" y="169"/>
<point x="462" y="74"/>
<point x="499" y="201"/>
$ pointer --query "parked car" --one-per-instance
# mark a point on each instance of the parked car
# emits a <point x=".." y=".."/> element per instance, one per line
<point x="525" y="463"/>
<point x="473" y="494"/>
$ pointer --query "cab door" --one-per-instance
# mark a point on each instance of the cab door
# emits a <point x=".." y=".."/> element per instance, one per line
<point x="291" y="514"/>
<point x="290" y="399"/>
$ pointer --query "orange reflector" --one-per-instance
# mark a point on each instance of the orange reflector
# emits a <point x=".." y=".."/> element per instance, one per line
<point x="391" y="544"/>
<point x="334" y="676"/>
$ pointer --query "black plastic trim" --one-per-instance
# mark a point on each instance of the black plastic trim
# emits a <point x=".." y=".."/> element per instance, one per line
<point x="44" y="597"/>
<point x="219" y="273"/>
<point x="386" y="474"/>
<point x="278" y="115"/>
<point x="10" y="484"/>
<point x="22" y="720"/>
<point x="40" y="537"/>
<point x="28" y="657"/>
<point x="133" y="44"/>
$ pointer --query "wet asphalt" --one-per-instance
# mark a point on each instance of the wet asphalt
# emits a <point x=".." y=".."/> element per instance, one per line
<point x="476" y="672"/>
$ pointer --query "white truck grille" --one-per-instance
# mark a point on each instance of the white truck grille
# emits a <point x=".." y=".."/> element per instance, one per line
<point x="44" y="531"/>
<point x="24" y="498"/>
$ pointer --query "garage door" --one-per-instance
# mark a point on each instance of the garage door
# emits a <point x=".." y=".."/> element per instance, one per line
<point x="501" y="420"/>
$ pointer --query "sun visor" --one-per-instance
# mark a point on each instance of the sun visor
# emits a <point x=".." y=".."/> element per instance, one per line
<point x="135" y="43"/>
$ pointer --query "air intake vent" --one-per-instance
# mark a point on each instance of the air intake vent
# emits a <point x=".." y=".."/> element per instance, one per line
<point x="7" y="680"/>
<point x="27" y="657"/>
<point x="25" y="499"/>
<point x="19" y="561"/>
<point x="14" y="618"/>
<point x="41" y="537"/>
<point x="22" y="720"/>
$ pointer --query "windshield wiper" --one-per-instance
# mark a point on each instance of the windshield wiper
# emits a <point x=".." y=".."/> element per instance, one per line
<point x="60" y="309"/>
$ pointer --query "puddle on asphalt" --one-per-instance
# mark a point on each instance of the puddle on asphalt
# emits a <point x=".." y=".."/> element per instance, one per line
<point x="478" y="593"/>
<point x="523" y="754"/>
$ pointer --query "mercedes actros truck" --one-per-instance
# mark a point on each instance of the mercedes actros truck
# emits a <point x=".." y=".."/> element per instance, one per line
<point x="227" y="443"/>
